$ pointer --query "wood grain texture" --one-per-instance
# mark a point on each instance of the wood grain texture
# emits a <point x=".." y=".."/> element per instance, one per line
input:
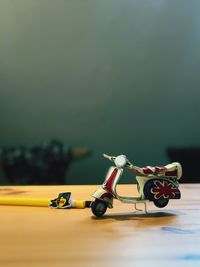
<point x="40" y="236"/>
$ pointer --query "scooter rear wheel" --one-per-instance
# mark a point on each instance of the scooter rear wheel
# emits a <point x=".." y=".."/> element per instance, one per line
<point x="99" y="207"/>
<point x="161" y="203"/>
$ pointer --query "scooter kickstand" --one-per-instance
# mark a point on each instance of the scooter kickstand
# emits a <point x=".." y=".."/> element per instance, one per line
<point x="145" y="207"/>
<point x="135" y="206"/>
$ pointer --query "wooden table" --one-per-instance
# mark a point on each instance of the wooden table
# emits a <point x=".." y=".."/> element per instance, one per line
<point x="40" y="236"/>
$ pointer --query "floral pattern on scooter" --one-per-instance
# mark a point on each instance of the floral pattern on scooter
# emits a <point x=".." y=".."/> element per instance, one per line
<point x="156" y="189"/>
<point x="165" y="189"/>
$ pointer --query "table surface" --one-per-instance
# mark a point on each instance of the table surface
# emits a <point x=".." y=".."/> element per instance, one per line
<point x="40" y="236"/>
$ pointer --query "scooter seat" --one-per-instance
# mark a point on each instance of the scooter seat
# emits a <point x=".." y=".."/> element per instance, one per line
<point x="173" y="170"/>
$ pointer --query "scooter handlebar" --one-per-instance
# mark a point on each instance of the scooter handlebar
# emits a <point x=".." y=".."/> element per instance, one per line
<point x="128" y="165"/>
<point x="111" y="158"/>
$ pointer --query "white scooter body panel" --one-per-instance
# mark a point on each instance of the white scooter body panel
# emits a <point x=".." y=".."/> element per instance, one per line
<point x="111" y="180"/>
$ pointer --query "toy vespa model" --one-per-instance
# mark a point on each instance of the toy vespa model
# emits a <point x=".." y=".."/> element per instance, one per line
<point x="157" y="184"/>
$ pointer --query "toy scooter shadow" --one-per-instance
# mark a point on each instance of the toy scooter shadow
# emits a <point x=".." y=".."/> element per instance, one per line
<point x="139" y="216"/>
<point x="156" y="184"/>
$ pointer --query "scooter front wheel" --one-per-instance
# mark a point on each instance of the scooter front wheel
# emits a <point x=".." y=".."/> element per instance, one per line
<point x="99" y="207"/>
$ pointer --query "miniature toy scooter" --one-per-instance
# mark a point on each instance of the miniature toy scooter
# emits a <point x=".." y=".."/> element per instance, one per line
<point x="157" y="184"/>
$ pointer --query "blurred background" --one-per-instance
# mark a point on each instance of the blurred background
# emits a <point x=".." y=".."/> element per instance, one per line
<point x="100" y="76"/>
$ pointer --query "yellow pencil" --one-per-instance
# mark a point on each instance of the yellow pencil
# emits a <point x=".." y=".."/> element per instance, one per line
<point x="40" y="202"/>
<point x="37" y="202"/>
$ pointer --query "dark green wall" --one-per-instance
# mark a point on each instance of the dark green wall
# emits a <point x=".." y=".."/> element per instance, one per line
<point x="120" y="76"/>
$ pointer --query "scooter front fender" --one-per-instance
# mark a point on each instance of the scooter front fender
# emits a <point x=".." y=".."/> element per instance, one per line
<point x="103" y="195"/>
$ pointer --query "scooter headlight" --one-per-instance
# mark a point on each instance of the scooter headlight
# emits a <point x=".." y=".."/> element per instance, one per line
<point x="120" y="161"/>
